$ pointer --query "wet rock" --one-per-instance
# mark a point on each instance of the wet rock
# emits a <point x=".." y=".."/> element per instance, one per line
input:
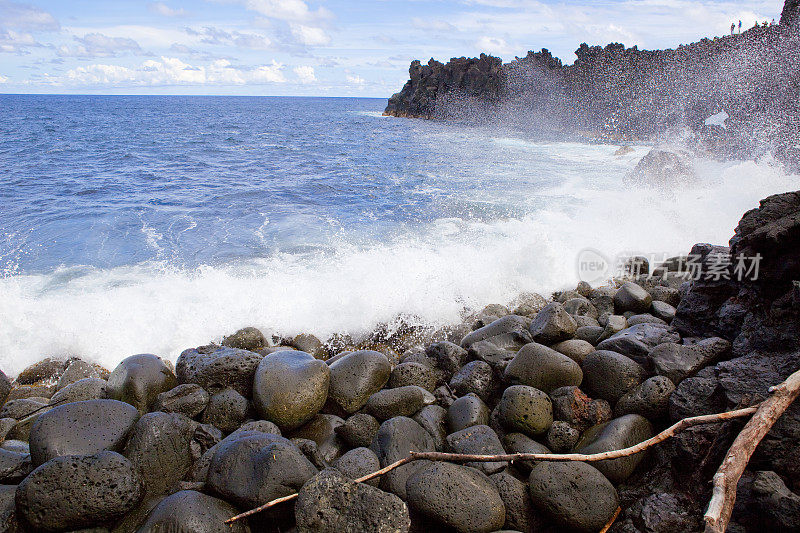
<point x="357" y="376"/>
<point x="226" y="410"/>
<point x="526" y="410"/>
<point x="139" y="379"/>
<point x="645" y="318"/>
<point x="359" y="462"/>
<point x="508" y="332"/>
<point x="28" y="409"/>
<point x="575" y="349"/>
<point x="30" y="391"/>
<point x="497" y="358"/>
<point x="434" y="419"/>
<point x="576" y="307"/>
<point x="48" y="369"/>
<point x="308" y="343"/>
<point x="552" y="324"/>
<point x="358" y="430"/>
<point x="246" y="339"/>
<point x="667" y="295"/>
<point x="620" y="433"/>
<point x="159" y="446"/>
<point x="75" y="492"/>
<point x="603" y="299"/>
<point x="467" y="411"/>
<point x="572" y="405"/>
<point x="476" y="377"/>
<point x="636" y="341"/>
<point x="444" y="396"/>
<point x="779" y="505"/>
<point x="331" y="503"/>
<point x="521" y="443"/>
<point x="543" y="368"/>
<point x="449" y="357"/>
<point x="188" y="399"/>
<point x="413" y="374"/>
<point x="195" y="512"/>
<point x="650" y="399"/>
<point x="528" y="304"/>
<point x="290" y="388"/>
<point x="662" y="310"/>
<point x="255" y="467"/>
<point x="679" y="361"/>
<point x="562" y="437"/>
<point x="14" y="466"/>
<point x="590" y="334"/>
<point x="76" y="370"/>
<point x="81" y="428"/>
<point x="609" y="375"/>
<point x="322" y="430"/>
<point x="81" y="390"/>
<point x="632" y="297"/>
<point x="575" y="496"/>
<point x="520" y="514"/>
<point x="402" y="401"/>
<point x="478" y="440"/>
<point x="396" y="438"/>
<point x="457" y="497"/>
<point x="219" y="369"/>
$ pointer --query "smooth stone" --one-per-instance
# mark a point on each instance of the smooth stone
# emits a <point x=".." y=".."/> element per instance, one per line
<point x="395" y="440"/>
<point x="609" y="375"/>
<point x="322" y="431"/>
<point x="81" y="390"/>
<point x="458" y="497"/>
<point x="636" y="341"/>
<point x="290" y="388"/>
<point x="476" y="377"/>
<point x="622" y="432"/>
<point x="189" y="399"/>
<point x="662" y="310"/>
<point x="613" y="325"/>
<point x="541" y="367"/>
<point x="226" y="410"/>
<point x="562" y="437"/>
<point x="30" y="391"/>
<point x="526" y="410"/>
<point x="357" y="376"/>
<point x="508" y="332"/>
<point x="680" y="361"/>
<point x="14" y="465"/>
<point x="248" y="338"/>
<point x="645" y="318"/>
<point x="575" y="496"/>
<point x="632" y="297"/>
<point x="590" y="334"/>
<point x="521" y="443"/>
<point x="159" y="446"/>
<point x="478" y="440"/>
<point x="552" y="324"/>
<point x="189" y="511"/>
<point x="79" y="491"/>
<point x="305" y="342"/>
<point x="650" y="399"/>
<point x="255" y="468"/>
<point x="219" y="369"/>
<point x="521" y="515"/>
<point x="332" y="503"/>
<point x="81" y="428"/>
<point x="575" y="349"/>
<point x="447" y="356"/>
<point x="580" y="307"/>
<point x="412" y="373"/>
<point x="139" y="379"/>
<point x="75" y="371"/>
<point x="402" y="401"/>
<point x="467" y="411"/>
<point x="359" y="462"/>
<point x="434" y="419"/>
<point x="358" y="430"/>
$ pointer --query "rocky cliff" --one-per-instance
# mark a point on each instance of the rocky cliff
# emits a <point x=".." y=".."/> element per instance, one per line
<point x="618" y="93"/>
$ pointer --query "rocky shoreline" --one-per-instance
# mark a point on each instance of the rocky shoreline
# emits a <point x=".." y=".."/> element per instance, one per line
<point x="149" y="447"/>
<point x="618" y="94"/>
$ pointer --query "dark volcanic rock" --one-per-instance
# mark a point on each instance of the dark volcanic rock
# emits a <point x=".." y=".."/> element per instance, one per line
<point x="541" y="367"/>
<point x="552" y="324"/>
<point x="679" y="361"/>
<point x="357" y="376"/>
<point x="81" y="390"/>
<point x="615" y="435"/>
<point x="477" y="377"/>
<point x="139" y="379"/>
<point x="609" y="375"/>
<point x="359" y="462"/>
<point x="509" y="332"/>
<point x="14" y="466"/>
<point x="226" y="410"/>
<point x="480" y="440"/>
<point x="187" y="399"/>
<point x="246" y="339"/>
<point x="76" y="370"/>
<point x="48" y="369"/>
<point x="637" y="340"/>
<point x="396" y="438"/>
<point x="413" y="373"/>
<point x="191" y="511"/>
<point x="400" y="401"/>
<point x="358" y="430"/>
<point x="467" y="411"/>
<point x="525" y="409"/>
<point x="219" y="369"/>
<point x="322" y="431"/>
<point x="434" y="419"/>
<point x="75" y="492"/>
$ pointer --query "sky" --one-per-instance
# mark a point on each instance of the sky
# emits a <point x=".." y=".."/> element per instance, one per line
<point x="317" y="48"/>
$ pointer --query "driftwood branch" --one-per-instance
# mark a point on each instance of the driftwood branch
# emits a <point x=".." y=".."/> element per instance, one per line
<point x="466" y="458"/>
<point x="727" y="477"/>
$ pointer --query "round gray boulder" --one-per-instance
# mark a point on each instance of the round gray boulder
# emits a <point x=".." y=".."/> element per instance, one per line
<point x="552" y="324"/>
<point x="632" y="297"/>
<point x="526" y="410"/>
<point x="541" y="367"/>
<point x="401" y="401"/>
<point x="219" y="369"/>
<point x="139" y="379"/>
<point x="620" y="433"/>
<point x="195" y="512"/>
<point x="357" y="376"/>
<point x="189" y="399"/>
<point x="609" y="375"/>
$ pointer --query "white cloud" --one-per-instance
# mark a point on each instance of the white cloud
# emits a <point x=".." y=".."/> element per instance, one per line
<point x="14" y="15"/>
<point x="98" y="45"/>
<point x="355" y="79"/>
<point x="492" y="45"/>
<point x="309" y="35"/>
<point x="291" y="10"/>
<point x="13" y="41"/>
<point x="3" y="79"/>
<point x="305" y="74"/>
<point x="218" y="36"/>
<point x="163" y="9"/>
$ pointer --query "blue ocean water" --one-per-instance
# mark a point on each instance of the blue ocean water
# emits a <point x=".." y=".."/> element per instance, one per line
<point x="152" y="223"/>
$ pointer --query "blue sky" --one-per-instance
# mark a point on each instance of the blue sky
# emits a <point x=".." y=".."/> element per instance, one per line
<point x="308" y="47"/>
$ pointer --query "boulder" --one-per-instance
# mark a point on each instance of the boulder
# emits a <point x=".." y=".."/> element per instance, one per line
<point x="357" y="376"/>
<point x="81" y="428"/>
<point x="46" y="370"/>
<point x="575" y="349"/>
<point x="521" y="443"/>
<point x="358" y="430"/>
<point x="226" y="410"/>
<point x="465" y="412"/>
<point x="248" y="338"/>
<point x="526" y="410"/>
<point x="188" y="399"/>
<point x="679" y="361"/>
<point x="434" y="419"/>
<point x="331" y="503"/>
<point x="662" y="310"/>
<point x="195" y="512"/>
<point x="290" y="388"/>
<point x="396" y="438"/>
<point x="620" y="433"/>
<point x="357" y="463"/>
<point x="521" y="515"/>
<point x="76" y="370"/>
<point x="650" y="399"/>
<point x="541" y="367"/>
<point x="508" y="332"/>
<point x="609" y="375"/>
<point x="478" y="440"/>
<point x="476" y="377"/>
<point x="413" y="373"/>
<point x="401" y="401"/>
<point x="528" y="304"/>
<point x="576" y="307"/>
<point x="28" y="409"/>
<point x="14" y="465"/>
<point x="139" y="379"/>
<point x="457" y="497"/>
<point x="572" y="405"/>
<point x="79" y="491"/>
<point x="662" y="168"/>
<point x="613" y="325"/>
<point x="590" y="334"/>
<point x="449" y="357"/>
<point x="574" y="496"/>
<point x="219" y="369"/>
<point x="632" y="297"/>
<point x="562" y="437"/>
<point x="636" y="341"/>
<point x="552" y="324"/>
<point x="81" y="390"/>
<point x="305" y="342"/>
<point x="322" y="431"/>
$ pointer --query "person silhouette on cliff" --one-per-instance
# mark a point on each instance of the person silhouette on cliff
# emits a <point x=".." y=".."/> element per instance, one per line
<point x="740" y="26"/>
<point x="733" y="27"/>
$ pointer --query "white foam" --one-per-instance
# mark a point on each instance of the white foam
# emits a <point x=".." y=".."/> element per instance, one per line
<point x="433" y="271"/>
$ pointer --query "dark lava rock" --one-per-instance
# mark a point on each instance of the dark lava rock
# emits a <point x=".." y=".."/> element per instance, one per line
<point x="478" y="440"/>
<point x="609" y="375"/>
<point x="575" y="496"/>
<point x="590" y="334"/>
<point x="21" y="410"/>
<point x="331" y="503"/>
<point x="541" y="367"/>
<point x="49" y="369"/>
<point x="412" y="373"/>
<point x="679" y="361"/>
<point x="138" y="379"/>
<point x="305" y="342"/>
<point x="572" y="405"/>
<point x="76" y="370"/>
<point x="521" y="443"/>
<point x="508" y="332"/>
<point x="159" y="446"/>
<point x="246" y="339"/>
<point x="290" y="388"/>
<point x="434" y="419"/>
<point x="322" y="431"/>
<point x="662" y="310"/>
<point x="357" y="376"/>
<point x="620" y="433"/>
<point x="521" y="515"/>
<point x="562" y="437"/>
<point x="552" y="324"/>
<point x="359" y="462"/>
<point x="189" y="511"/>
<point x="779" y="505"/>
<point x="632" y="297"/>
<point x="467" y="411"/>
<point x="636" y="341"/>
<point x="358" y="430"/>
<point x="526" y="410"/>
<point x="396" y="438"/>
<point x="14" y="466"/>
<point x="576" y="307"/>
<point x="458" y="497"/>
<point x="575" y="349"/>
<point x="75" y="492"/>
<point x="696" y="396"/>
<point x="81" y="428"/>
<point x="401" y="401"/>
<point x="188" y="399"/>
<point x="448" y="357"/>
<point x="650" y="399"/>
<point x="226" y="410"/>
<point x="31" y="391"/>
<point x="219" y="369"/>
<point x="255" y="468"/>
<point x="81" y="390"/>
<point x="645" y="318"/>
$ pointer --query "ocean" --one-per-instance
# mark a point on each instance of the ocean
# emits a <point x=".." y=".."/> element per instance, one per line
<point x="149" y="224"/>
